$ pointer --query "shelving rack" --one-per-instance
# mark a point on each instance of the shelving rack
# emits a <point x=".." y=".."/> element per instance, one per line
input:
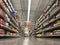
<point x="47" y="23"/>
<point x="13" y="23"/>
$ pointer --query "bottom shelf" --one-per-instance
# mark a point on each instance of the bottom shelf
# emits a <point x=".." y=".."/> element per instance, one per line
<point x="9" y="37"/>
<point x="53" y="36"/>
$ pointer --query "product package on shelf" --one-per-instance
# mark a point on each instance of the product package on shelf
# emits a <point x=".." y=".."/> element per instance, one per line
<point x="56" y="32"/>
<point x="58" y="22"/>
<point x="2" y="13"/>
<point x="38" y="35"/>
<point x="13" y="14"/>
<point x="2" y="4"/>
<point x="2" y="33"/>
<point x="14" y="29"/>
<point x="2" y="22"/>
<point x="7" y="18"/>
<point x="13" y="34"/>
<point x="10" y="7"/>
<point x="48" y="33"/>
<point x="44" y="15"/>
<point x="10" y="4"/>
<point x="7" y="24"/>
<point x="17" y="18"/>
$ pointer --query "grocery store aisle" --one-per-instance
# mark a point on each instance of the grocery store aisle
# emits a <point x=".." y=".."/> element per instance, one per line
<point x="29" y="41"/>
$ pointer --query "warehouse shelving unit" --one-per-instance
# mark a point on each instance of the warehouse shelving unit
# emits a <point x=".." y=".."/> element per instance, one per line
<point x="12" y="29"/>
<point x="48" y="25"/>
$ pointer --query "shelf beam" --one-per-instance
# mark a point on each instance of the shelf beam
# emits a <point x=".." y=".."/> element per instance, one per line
<point x="13" y="25"/>
<point x="7" y="29"/>
<point x="56" y="12"/>
<point x="49" y="29"/>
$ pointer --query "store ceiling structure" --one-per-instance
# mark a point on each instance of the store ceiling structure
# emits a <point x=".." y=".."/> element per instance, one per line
<point x="37" y="6"/>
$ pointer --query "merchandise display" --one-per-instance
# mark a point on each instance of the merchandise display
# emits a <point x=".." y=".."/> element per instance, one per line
<point x="49" y="22"/>
<point x="8" y="26"/>
<point x="2" y="22"/>
<point x="57" y="23"/>
<point x="39" y="35"/>
<point x="56" y="32"/>
<point x="2" y="33"/>
<point x="48" y="33"/>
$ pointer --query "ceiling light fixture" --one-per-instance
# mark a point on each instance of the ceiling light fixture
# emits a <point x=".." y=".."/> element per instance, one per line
<point x="29" y="6"/>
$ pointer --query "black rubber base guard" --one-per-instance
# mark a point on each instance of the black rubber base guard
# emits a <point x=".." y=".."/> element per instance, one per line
<point x="9" y="37"/>
<point x="48" y="37"/>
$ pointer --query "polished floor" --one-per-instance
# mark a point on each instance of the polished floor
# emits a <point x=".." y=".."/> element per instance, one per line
<point x="29" y="41"/>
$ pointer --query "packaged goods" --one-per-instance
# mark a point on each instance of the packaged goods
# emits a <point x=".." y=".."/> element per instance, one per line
<point x="48" y="33"/>
<point x="2" y="4"/>
<point x="7" y="18"/>
<point x="8" y="5"/>
<point x="14" y="29"/>
<point x="13" y="14"/>
<point x="2" y="13"/>
<point x="56" y="32"/>
<point x="17" y="18"/>
<point x="1" y="32"/>
<point x="57" y="23"/>
<point x="2" y="22"/>
<point x="13" y="34"/>
<point x="39" y="35"/>
<point x="7" y="24"/>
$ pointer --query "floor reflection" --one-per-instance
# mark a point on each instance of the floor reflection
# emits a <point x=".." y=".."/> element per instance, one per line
<point x="26" y="41"/>
<point x="29" y="41"/>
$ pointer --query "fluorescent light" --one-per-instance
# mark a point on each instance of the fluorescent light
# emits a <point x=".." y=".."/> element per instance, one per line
<point x="29" y="6"/>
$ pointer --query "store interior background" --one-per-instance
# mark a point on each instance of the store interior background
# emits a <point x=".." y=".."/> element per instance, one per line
<point x="37" y="7"/>
<point x="30" y="23"/>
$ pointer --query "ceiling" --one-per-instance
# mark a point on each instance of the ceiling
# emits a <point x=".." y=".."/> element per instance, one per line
<point x="37" y="6"/>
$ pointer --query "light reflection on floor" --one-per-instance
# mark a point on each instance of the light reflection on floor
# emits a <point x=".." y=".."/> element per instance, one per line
<point x="29" y="41"/>
<point x="26" y="41"/>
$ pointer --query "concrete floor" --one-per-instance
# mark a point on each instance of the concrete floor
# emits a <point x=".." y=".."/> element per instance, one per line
<point x="29" y="41"/>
